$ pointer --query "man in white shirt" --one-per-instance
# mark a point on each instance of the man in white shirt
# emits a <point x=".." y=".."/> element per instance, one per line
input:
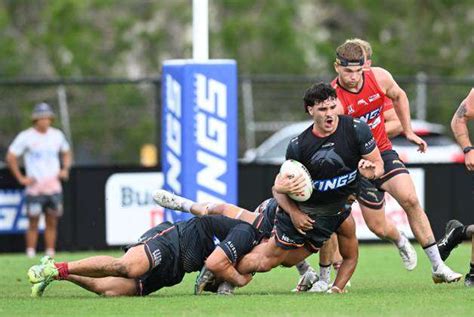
<point x="40" y="146"/>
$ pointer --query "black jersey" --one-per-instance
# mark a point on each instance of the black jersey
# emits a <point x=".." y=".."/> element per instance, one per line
<point x="174" y="250"/>
<point x="332" y="162"/>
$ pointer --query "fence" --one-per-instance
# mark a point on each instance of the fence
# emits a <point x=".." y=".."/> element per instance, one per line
<point x="108" y="120"/>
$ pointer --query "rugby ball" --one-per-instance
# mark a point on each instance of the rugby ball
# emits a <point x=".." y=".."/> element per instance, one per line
<point x="295" y="168"/>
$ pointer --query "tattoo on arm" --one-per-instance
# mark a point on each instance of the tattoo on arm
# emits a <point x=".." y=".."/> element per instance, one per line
<point x="461" y="112"/>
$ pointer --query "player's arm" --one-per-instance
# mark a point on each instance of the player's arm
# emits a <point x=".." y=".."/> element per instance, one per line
<point x="239" y="241"/>
<point x="371" y="165"/>
<point x="393" y="126"/>
<point x="349" y="249"/>
<point x="16" y="149"/>
<point x="400" y="104"/>
<point x="219" y="264"/>
<point x="66" y="158"/>
<point x="464" y="113"/>
<point x="283" y="185"/>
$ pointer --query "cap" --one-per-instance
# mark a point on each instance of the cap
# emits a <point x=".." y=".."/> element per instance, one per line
<point x="42" y="110"/>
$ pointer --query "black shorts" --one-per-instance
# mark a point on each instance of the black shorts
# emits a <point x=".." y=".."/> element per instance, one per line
<point x="162" y="249"/>
<point x="288" y="238"/>
<point x="393" y="166"/>
<point x="370" y="193"/>
<point x="51" y="204"/>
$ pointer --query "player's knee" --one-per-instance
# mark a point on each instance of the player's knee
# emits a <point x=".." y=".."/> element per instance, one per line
<point x="410" y="203"/>
<point x="378" y="229"/>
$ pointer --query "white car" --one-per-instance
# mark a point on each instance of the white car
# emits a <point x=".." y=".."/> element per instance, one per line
<point x="441" y="148"/>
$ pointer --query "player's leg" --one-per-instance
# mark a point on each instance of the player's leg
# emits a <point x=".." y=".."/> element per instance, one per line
<point x="469" y="280"/>
<point x="106" y="286"/>
<point x="53" y="211"/>
<point x="384" y="228"/>
<point x="176" y="202"/>
<point x="31" y="236"/>
<point x="132" y="264"/>
<point x="34" y="208"/>
<point x="326" y="255"/>
<point x="50" y="233"/>
<point x="455" y="233"/>
<point x="349" y="249"/>
<point x="401" y="187"/>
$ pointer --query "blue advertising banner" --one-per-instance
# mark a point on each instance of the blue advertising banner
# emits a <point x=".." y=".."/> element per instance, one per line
<point x="199" y="124"/>
<point x="12" y="212"/>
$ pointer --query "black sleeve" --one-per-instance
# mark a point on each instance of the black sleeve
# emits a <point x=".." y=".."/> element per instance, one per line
<point x="364" y="137"/>
<point x="240" y="241"/>
<point x="292" y="150"/>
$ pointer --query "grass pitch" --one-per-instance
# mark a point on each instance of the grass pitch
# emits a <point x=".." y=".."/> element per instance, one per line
<point x="380" y="287"/>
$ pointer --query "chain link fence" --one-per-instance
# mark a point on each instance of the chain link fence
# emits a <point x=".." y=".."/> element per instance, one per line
<point x="109" y="120"/>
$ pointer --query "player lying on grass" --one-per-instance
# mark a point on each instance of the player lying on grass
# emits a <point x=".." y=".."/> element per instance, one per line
<point x="263" y="219"/>
<point x="159" y="259"/>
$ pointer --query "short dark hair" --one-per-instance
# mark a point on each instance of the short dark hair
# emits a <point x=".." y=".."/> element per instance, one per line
<point x="318" y="93"/>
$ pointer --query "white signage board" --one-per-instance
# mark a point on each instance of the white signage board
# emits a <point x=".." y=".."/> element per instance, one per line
<point x="129" y="206"/>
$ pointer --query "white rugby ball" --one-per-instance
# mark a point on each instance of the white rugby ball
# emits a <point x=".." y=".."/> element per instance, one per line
<point x="295" y="168"/>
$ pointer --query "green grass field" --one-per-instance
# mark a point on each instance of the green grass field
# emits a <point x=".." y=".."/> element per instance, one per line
<point x="380" y="287"/>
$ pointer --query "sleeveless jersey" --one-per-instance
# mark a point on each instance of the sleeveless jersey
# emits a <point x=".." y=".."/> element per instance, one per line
<point x="332" y="163"/>
<point x="367" y="105"/>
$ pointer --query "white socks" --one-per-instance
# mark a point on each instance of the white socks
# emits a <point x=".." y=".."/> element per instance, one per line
<point x="433" y="254"/>
<point x="324" y="273"/>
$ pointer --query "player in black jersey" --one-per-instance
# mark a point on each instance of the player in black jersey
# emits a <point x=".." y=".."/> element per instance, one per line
<point x="335" y="150"/>
<point x="159" y="259"/>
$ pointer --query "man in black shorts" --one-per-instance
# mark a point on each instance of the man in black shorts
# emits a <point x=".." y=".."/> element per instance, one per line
<point x="334" y="149"/>
<point x="160" y="258"/>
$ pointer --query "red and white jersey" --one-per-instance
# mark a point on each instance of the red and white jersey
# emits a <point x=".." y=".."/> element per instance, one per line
<point x="368" y="105"/>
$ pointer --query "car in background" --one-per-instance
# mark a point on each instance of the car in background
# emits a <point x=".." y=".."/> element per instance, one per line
<point x="441" y="148"/>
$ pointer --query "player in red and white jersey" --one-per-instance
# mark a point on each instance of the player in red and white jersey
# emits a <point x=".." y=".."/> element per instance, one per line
<point x="361" y="93"/>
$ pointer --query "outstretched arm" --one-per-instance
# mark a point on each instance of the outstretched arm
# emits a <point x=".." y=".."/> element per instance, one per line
<point x="464" y="113"/>
<point x="400" y="104"/>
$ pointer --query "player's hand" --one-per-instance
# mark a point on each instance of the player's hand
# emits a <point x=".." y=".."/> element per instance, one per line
<point x="26" y="181"/>
<point x="366" y="168"/>
<point x="64" y="174"/>
<point x="413" y="138"/>
<point x="287" y="183"/>
<point x="301" y="221"/>
<point x="469" y="160"/>
<point x="335" y="290"/>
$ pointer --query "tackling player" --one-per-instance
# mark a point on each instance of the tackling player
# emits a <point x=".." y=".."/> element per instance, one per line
<point x="160" y="259"/>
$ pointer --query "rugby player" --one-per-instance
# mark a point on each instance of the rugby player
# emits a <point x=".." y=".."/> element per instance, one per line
<point x="371" y="201"/>
<point x="456" y="232"/>
<point x="361" y="93"/>
<point x="159" y="259"/>
<point x="333" y="149"/>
